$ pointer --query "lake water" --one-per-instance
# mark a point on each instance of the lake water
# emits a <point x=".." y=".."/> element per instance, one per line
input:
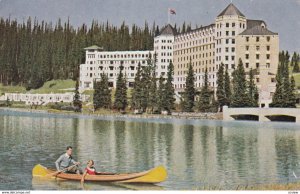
<point x="197" y="154"/>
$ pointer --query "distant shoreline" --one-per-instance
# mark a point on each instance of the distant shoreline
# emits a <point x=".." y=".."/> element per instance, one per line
<point x="175" y="115"/>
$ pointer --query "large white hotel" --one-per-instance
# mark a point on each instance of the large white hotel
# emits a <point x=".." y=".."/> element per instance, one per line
<point x="231" y="37"/>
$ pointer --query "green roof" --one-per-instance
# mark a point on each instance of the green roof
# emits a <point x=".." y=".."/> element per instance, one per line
<point x="94" y="47"/>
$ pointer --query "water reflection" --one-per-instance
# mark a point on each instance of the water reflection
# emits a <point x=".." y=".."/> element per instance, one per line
<point x="196" y="154"/>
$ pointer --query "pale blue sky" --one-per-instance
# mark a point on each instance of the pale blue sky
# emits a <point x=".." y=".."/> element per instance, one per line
<point x="282" y="16"/>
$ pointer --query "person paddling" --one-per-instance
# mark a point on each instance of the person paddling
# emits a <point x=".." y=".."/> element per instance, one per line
<point x="65" y="161"/>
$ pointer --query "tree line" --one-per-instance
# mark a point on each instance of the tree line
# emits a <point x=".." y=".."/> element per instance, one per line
<point x="149" y="94"/>
<point x="152" y="94"/>
<point x="34" y="52"/>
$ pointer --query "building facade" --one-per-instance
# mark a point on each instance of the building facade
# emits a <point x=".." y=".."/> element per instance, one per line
<point x="109" y="62"/>
<point x="231" y="37"/>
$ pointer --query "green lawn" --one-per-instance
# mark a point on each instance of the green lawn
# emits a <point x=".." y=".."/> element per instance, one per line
<point x="56" y="86"/>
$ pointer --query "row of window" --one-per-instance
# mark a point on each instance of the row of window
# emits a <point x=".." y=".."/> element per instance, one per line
<point x="194" y="49"/>
<point x="233" y="24"/>
<point x="257" y="38"/>
<point x="193" y="43"/>
<point x="194" y="34"/>
<point x="188" y="58"/>
<point x="227" y="33"/>
<point x="268" y="48"/>
<point x="104" y="56"/>
<point x="257" y="56"/>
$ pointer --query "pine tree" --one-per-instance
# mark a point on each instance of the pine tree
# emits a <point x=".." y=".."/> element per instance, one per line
<point x="136" y="99"/>
<point x="291" y="103"/>
<point x="153" y="91"/>
<point x="76" y="101"/>
<point x="102" y="93"/>
<point x="295" y="63"/>
<point x="161" y="94"/>
<point x="189" y="91"/>
<point x="240" y="97"/>
<point x="221" y="87"/>
<point x="252" y="90"/>
<point x="227" y="88"/>
<point x="204" y="103"/>
<point x="120" y="102"/>
<point x="169" y="103"/>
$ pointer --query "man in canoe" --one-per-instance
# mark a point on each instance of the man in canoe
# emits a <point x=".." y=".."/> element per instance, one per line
<point x="67" y="163"/>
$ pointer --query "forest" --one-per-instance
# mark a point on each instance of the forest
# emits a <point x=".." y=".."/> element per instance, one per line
<point x="33" y="52"/>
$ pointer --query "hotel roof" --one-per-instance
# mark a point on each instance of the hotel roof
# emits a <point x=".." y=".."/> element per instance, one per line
<point x="168" y="30"/>
<point x="258" y="30"/>
<point x="231" y="10"/>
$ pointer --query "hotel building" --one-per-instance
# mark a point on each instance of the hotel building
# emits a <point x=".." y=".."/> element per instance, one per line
<point x="231" y="37"/>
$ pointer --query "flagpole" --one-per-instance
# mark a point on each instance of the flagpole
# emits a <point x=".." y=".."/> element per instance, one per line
<point x="168" y="15"/>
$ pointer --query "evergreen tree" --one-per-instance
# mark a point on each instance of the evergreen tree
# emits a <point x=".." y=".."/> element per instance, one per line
<point x="169" y="103"/>
<point x="120" y="102"/>
<point x="221" y="87"/>
<point x="136" y="99"/>
<point x="161" y="94"/>
<point x="227" y="88"/>
<point x="153" y="91"/>
<point x="252" y="90"/>
<point x="102" y="93"/>
<point x="204" y="102"/>
<point x="240" y="97"/>
<point x="76" y="101"/>
<point x="295" y="63"/>
<point x="189" y="91"/>
<point x="291" y="103"/>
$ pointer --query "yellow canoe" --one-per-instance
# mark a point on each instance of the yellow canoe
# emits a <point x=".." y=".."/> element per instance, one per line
<point x="155" y="175"/>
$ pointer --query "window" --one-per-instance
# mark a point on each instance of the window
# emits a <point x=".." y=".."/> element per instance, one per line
<point x="268" y="48"/>
<point x="233" y="24"/>
<point x="233" y="33"/>
<point x="257" y="56"/>
<point x="233" y="41"/>
<point x="227" y="33"/>
<point x="227" y="25"/>
<point x="247" y="56"/>
<point x="247" y="65"/>
<point x="227" y="49"/>
<point x="268" y="65"/>
<point x="257" y="48"/>
<point x="268" y="56"/>
<point x="247" y="48"/>
<point x="226" y="58"/>
<point x="232" y="66"/>
<point x="257" y="39"/>
<point x="268" y="38"/>
<point x="232" y="49"/>
<point x="247" y="39"/>
<point x="257" y="65"/>
<point x="227" y="41"/>
<point x="232" y="58"/>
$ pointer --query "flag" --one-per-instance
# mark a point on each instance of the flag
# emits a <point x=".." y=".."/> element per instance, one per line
<point x="172" y="11"/>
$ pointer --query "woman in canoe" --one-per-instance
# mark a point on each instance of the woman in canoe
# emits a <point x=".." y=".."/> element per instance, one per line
<point x="90" y="169"/>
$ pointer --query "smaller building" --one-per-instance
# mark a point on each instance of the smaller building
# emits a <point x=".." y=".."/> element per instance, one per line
<point x="99" y="61"/>
<point x="42" y="99"/>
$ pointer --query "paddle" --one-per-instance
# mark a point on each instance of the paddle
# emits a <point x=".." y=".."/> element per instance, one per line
<point x="60" y="171"/>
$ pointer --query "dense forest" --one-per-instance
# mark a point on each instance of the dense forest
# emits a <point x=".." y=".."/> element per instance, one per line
<point x="34" y="52"/>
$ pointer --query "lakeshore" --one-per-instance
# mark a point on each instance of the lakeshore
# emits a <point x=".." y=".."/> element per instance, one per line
<point x="175" y="115"/>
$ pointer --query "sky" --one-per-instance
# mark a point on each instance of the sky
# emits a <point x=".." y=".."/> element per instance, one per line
<point x="282" y="16"/>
